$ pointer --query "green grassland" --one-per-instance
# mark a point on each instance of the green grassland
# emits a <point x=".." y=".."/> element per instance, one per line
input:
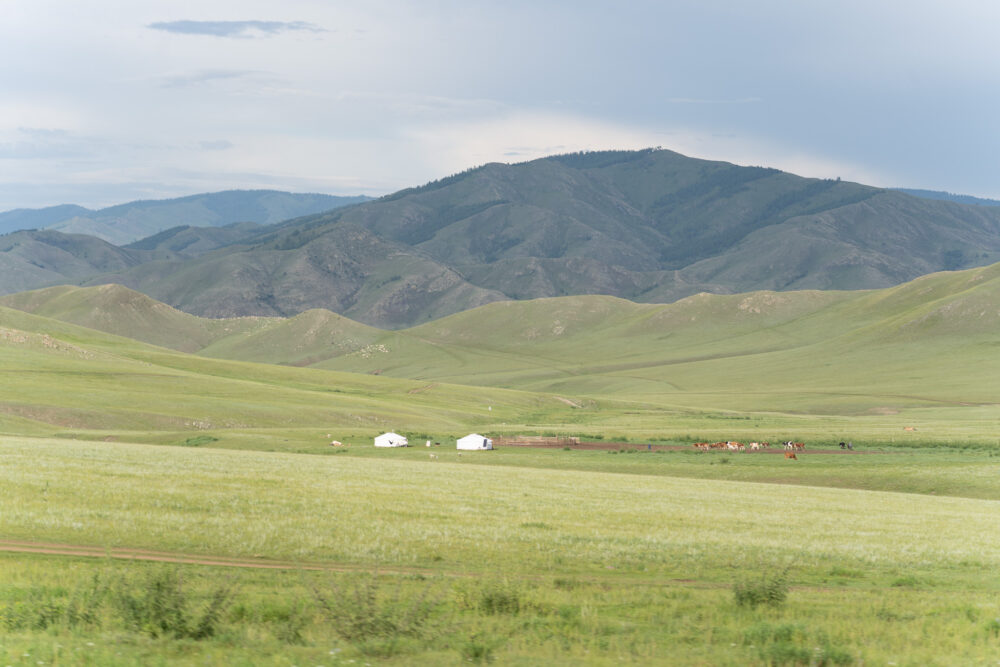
<point x="635" y="554"/>
<point x="763" y="366"/>
<point x="519" y="561"/>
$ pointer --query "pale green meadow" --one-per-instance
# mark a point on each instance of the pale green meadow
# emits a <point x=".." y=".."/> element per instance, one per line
<point x="514" y="563"/>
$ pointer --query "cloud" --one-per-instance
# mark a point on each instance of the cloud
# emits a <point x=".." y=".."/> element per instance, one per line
<point x="206" y="76"/>
<point x="219" y="145"/>
<point x="696" y="100"/>
<point x="34" y="143"/>
<point x="234" y="29"/>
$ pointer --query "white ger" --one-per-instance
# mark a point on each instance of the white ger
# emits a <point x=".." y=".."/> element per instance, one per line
<point x="391" y="439"/>
<point x="475" y="441"/>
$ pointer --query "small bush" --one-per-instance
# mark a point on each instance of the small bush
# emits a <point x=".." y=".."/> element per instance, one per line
<point x="907" y="581"/>
<point x="565" y="584"/>
<point x="786" y="653"/>
<point x="42" y="608"/>
<point x="480" y="648"/>
<point x="771" y="589"/>
<point x="763" y="633"/>
<point x="364" y="612"/>
<point x="499" y="598"/>
<point x="833" y="655"/>
<point x="161" y="607"/>
<point x="199" y="440"/>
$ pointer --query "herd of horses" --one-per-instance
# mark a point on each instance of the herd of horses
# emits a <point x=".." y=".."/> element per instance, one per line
<point x="789" y="446"/>
<point x="733" y="446"/>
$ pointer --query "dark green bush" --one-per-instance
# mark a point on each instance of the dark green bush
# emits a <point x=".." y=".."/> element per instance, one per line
<point x="161" y="607"/>
<point x="771" y="589"/>
<point x="362" y="611"/>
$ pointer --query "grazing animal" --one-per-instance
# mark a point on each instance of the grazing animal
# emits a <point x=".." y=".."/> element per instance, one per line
<point x="434" y="456"/>
<point x="791" y="455"/>
<point x="798" y="445"/>
<point x="754" y="446"/>
<point x="788" y="444"/>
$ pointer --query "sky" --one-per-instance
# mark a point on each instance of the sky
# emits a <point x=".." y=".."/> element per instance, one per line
<point x="108" y="101"/>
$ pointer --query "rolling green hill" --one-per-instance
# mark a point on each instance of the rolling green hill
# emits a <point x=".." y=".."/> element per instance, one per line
<point x="928" y="347"/>
<point x="60" y="378"/>
<point x="650" y="226"/>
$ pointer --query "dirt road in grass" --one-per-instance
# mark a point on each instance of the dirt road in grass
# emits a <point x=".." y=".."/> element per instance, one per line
<point x="124" y="553"/>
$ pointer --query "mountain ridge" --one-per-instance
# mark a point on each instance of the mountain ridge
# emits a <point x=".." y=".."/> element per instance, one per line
<point x="652" y="226"/>
<point x="132" y="221"/>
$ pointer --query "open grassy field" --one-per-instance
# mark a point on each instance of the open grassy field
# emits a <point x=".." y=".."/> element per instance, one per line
<point x="808" y="366"/>
<point x="817" y="364"/>
<point x="647" y="552"/>
<point x="523" y="559"/>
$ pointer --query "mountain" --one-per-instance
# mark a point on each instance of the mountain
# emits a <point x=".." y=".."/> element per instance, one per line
<point x="947" y="196"/>
<point x="136" y="220"/>
<point x="187" y="242"/>
<point x="650" y="226"/>
<point x="930" y="342"/>
<point x="29" y="259"/>
<point x="39" y="218"/>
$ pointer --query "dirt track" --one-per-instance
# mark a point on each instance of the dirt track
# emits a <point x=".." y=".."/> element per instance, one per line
<point x="122" y="553"/>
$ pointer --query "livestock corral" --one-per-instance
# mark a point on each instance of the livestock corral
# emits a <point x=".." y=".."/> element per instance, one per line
<point x="552" y="442"/>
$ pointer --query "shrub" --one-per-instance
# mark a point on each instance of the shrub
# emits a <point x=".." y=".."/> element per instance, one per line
<point x="907" y="581"/>
<point x="479" y="648"/>
<point x="500" y="598"/>
<point x="770" y="589"/>
<point x="161" y="607"/>
<point x="42" y="609"/>
<point x="363" y="611"/>
<point x="199" y="440"/>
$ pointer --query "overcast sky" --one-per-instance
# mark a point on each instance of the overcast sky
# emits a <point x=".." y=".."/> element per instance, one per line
<point x="107" y="101"/>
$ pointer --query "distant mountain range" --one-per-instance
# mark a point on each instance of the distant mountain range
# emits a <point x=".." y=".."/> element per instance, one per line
<point x="649" y="226"/>
<point x="136" y="220"/>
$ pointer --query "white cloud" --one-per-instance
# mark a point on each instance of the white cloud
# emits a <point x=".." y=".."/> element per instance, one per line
<point x="234" y="29"/>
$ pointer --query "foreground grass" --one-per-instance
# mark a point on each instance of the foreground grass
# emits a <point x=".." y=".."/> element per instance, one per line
<point x="281" y="618"/>
<point x="437" y="514"/>
<point x="518" y="564"/>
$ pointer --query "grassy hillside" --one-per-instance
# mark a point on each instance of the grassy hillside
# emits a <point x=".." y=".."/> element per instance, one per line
<point x="61" y="377"/>
<point x="818" y="363"/>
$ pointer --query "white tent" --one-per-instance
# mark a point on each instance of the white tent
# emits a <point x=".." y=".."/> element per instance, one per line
<point x="475" y="441"/>
<point x="391" y="439"/>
